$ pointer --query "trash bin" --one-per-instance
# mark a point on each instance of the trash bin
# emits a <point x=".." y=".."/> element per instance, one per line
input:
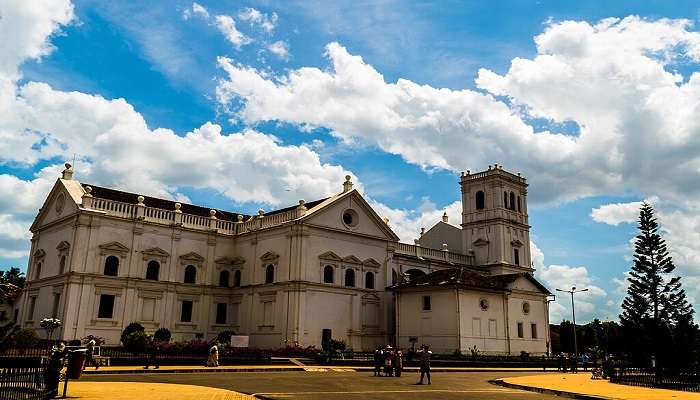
<point x="76" y="362"/>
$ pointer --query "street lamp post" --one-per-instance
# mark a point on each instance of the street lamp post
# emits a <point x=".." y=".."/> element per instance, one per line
<point x="573" y="314"/>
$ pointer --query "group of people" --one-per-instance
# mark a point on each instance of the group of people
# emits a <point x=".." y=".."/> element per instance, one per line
<point x="389" y="360"/>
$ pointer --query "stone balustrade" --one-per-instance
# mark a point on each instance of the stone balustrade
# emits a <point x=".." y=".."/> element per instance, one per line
<point x="433" y="254"/>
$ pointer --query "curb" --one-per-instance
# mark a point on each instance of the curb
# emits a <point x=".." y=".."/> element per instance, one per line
<point x="188" y="371"/>
<point x="560" y="393"/>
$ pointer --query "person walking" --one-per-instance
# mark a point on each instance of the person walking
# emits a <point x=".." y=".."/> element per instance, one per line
<point x="213" y="360"/>
<point x="54" y="366"/>
<point x="398" y="363"/>
<point x="152" y="356"/>
<point x="424" y="359"/>
<point x="90" y="354"/>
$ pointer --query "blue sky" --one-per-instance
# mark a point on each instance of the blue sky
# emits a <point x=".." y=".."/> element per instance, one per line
<point x="164" y="60"/>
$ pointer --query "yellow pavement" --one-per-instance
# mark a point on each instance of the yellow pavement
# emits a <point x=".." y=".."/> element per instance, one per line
<point x="193" y="368"/>
<point x="582" y="383"/>
<point x="150" y="391"/>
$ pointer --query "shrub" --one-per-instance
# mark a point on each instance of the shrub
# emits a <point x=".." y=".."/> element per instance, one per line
<point x="225" y="337"/>
<point x="162" y="335"/>
<point x="337" y="345"/>
<point x="26" y="338"/>
<point x="99" y="341"/>
<point x="132" y="327"/>
<point x="136" y="342"/>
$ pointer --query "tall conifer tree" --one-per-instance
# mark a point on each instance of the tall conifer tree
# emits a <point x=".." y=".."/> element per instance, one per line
<point x="655" y="300"/>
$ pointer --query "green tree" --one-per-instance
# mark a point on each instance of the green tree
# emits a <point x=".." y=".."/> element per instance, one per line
<point x="132" y="327"/>
<point x="162" y="335"/>
<point x="137" y="342"/>
<point x="655" y="303"/>
<point x="11" y="283"/>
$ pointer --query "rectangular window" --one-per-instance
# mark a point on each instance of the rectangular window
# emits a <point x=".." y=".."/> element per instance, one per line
<point x="426" y="303"/>
<point x="520" y="330"/>
<point x="533" y="328"/>
<point x="516" y="257"/>
<point x="221" y="313"/>
<point x="492" y="328"/>
<point x="186" y="312"/>
<point x="56" y="303"/>
<point x="148" y="311"/>
<point x="106" y="309"/>
<point x="267" y="313"/>
<point x="32" y="304"/>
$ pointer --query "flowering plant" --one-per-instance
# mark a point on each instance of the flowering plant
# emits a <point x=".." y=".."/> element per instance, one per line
<point x="50" y="323"/>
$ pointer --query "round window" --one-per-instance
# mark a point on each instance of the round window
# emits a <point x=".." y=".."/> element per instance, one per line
<point x="350" y="217"/>
<point x="526" y="308"/>
<point x="484" y="304"/>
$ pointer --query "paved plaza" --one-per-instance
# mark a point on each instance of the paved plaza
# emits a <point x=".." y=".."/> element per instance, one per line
<point x="342" y="385"/>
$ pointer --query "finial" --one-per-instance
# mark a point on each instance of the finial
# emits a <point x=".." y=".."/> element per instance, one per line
<point x="177" y="208"/>
<point x="422" y="231"/>
<point x="88" y="191"/>
<point x="261" y="212"/>
<point x="445" y="218"/>
<point x="444" y="247"/>
<point x="140" y="199"/>
<point x="489" y="167"/>
<point x="301" y="206"/>
<point x="347" y="185"/>
<point x="469" y="172"/>
<point x="67" y="173"/>
<point x="212" y="214"/>
<point x="239" y="218"/>
<point x="386" y="220"/>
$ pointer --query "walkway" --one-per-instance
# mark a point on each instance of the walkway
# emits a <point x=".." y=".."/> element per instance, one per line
<point x="581" y="384"/>
<point x="151" y="391"/>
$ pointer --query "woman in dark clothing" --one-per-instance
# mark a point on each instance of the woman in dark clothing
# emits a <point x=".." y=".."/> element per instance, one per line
<point x="378" y="361"/>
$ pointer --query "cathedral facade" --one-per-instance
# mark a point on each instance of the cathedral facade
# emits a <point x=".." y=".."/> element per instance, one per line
<point x="330" y="268"/>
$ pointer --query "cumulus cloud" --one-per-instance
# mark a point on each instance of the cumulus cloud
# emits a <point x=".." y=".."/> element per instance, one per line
<point x="565" y="277"/>
<point x="224" y="23"/>
<point x="616" y="213"/>
<point x="644" y="124"/>
<point x="407" y="223"/>
<point x="255" y="17"/>
<point x="279" y="48"/>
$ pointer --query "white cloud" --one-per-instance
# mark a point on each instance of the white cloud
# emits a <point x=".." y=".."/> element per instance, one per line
<point x="617" y="213"/>
<point x="255" y="17"/>
<point x="407" y="223"/>
<point x="643" y="124"/>
<point x="224" y="23"/>
<point x="227" y="26"/>
<point x="279" y="48"/>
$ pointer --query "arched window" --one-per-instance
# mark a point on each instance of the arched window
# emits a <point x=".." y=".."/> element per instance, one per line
<point x="369" y="280"/>
<point x="519" y="207"/>
<point x="505" y="199"/>
<point x="237" y="278"/>
<point x="414" y="273"/>
<point x="38" y="271"/>
<point x="112" y="266"/>
<point x="223" y="278"/>
<point x="328" y="274"/>
<point x="62" y="265"/>
<point x="480" y="200"/>
<point x="350" y="277"/>
<point x="270" y="274"/>
<point x="394" y="277"/>
<point x="190" y="274"/>
<point x="512" y="201"/>
<point x="152" y="270"/>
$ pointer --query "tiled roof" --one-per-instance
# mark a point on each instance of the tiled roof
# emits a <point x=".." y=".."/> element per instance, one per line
<point x="127" y="197"/>
<point x="466" y="277"/>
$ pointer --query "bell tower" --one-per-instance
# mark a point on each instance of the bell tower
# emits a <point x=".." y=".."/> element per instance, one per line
<point x="495" y="226"/>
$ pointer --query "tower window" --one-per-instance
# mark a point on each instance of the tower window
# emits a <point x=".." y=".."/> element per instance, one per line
<point x="190" y="274"/>
<point x="516" y="257"/>
<point x="512" y="201"/>
<point x="520" y="330"/>
<point x="152" y="270"/>
<point x="369" y="280"/>
<point x="62" y="265"/>
<point x="480" y="200"/>
<point x="505" y="199"/>
<point x="519" y="205"/>
<point x="328" y="274"/>
<point x="186" y="311"/>
<point x="270" y="274"/>
<point x="38" y="271"/>
<point x="112" y="266"/>
<point x="223" y="278"/>
<point x="237" y="278"/>
<point x="350" y="277"/>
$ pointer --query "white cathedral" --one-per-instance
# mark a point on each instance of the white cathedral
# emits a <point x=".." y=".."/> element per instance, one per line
<point x="330" y="268"/>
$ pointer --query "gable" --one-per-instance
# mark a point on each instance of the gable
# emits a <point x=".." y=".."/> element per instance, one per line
<point x="442" y="233"/>
<point x="330" y="256"/>
<point x="365" y="220"/>
<point x="155" y="252"/>
<point x="192" y="256"/>
<point x="113" y="247"/>
<point x="236" y="260"/>
<point x="62" y="200"/>
<point x="527" y="283"/>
